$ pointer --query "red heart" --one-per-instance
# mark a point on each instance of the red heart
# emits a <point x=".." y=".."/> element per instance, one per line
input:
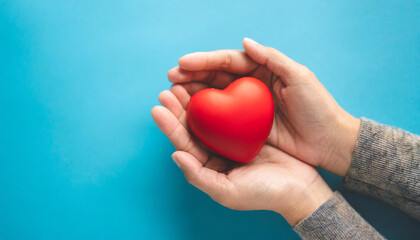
<point x="234" y="122"/>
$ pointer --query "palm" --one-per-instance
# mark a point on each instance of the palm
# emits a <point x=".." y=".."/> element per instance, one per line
<point x="299" y="132"/>
<point x="271" y="172"/>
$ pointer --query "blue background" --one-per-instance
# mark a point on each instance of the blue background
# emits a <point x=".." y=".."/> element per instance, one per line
<point x="80" y="155"/>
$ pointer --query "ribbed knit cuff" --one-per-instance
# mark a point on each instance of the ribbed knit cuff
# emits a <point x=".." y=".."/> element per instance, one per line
<point x="335" y="219"/>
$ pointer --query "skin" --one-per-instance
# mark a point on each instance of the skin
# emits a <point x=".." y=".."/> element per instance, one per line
<point x="310" y="130"/>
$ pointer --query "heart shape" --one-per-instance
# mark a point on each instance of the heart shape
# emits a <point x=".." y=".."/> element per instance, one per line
<point x="234" y="122"/>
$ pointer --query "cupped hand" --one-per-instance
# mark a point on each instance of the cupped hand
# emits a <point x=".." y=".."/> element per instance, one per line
<point x="273" y="181"/>
<point x="308" y="124"/>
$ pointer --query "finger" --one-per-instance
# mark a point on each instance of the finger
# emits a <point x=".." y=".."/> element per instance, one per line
<point x="177" y="134"/>
<point x="218" y="79"/>
<point x="215" y="184"/>
<point x="171" y="102"/>
<point x="275" y="61"/>
<point x="181" y="94"/>
<point x="194" y="87"/>
<point x="219" y="164"/>
<point x="233" y="61"/>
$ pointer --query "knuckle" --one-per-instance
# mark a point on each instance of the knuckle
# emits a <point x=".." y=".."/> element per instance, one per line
<point x="190" y="178"/>
<point x="272" y="50"/>
<point x="274" y="56"/>
<point x="305" y="71"/>
<point x="304" y="68"/>
<point x="172" y="132"/>
<point x="226" y="62"/>
<point x="274" y="53"/>
<point x="189" y="145"/>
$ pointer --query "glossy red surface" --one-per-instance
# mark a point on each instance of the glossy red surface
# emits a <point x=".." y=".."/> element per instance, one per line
<point x="234" y="122"/>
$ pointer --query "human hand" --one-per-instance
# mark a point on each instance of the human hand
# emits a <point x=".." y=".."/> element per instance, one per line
<point x="273" y="181"/>
<point x="308" y="124"/>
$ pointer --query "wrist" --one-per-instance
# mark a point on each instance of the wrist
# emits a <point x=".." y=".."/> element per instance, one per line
<point x="309" y="200"/>
<point x="342" y="144"/>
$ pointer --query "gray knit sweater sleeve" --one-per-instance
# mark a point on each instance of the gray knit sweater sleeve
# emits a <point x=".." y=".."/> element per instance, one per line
<point x="335" y="219"/>
<point x="386" y="165"/>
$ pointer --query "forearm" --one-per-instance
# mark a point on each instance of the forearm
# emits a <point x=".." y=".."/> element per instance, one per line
<point x="386" y="165"/>
<point x="335" y="219"/>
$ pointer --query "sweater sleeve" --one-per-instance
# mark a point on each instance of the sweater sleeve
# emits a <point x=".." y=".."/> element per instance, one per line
<point x="386" y="165"/>
<point x="336" y="219"/>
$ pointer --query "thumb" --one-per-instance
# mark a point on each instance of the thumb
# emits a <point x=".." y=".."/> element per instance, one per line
<point x="277" y="62"/>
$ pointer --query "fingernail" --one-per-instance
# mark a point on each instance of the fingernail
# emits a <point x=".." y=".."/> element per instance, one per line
<point x="175" y="158"/>
<point x="186" y="56"/>
<point x="250" y="40"/>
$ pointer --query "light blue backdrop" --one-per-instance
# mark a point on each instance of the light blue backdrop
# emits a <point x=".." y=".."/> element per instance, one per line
<point x="80" y="157"/>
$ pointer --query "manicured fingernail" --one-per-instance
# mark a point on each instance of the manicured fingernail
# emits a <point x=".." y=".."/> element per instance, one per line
<point x="187" y="56"/>
<point x="250" y="40"/>
<point x="175" y="158"/>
